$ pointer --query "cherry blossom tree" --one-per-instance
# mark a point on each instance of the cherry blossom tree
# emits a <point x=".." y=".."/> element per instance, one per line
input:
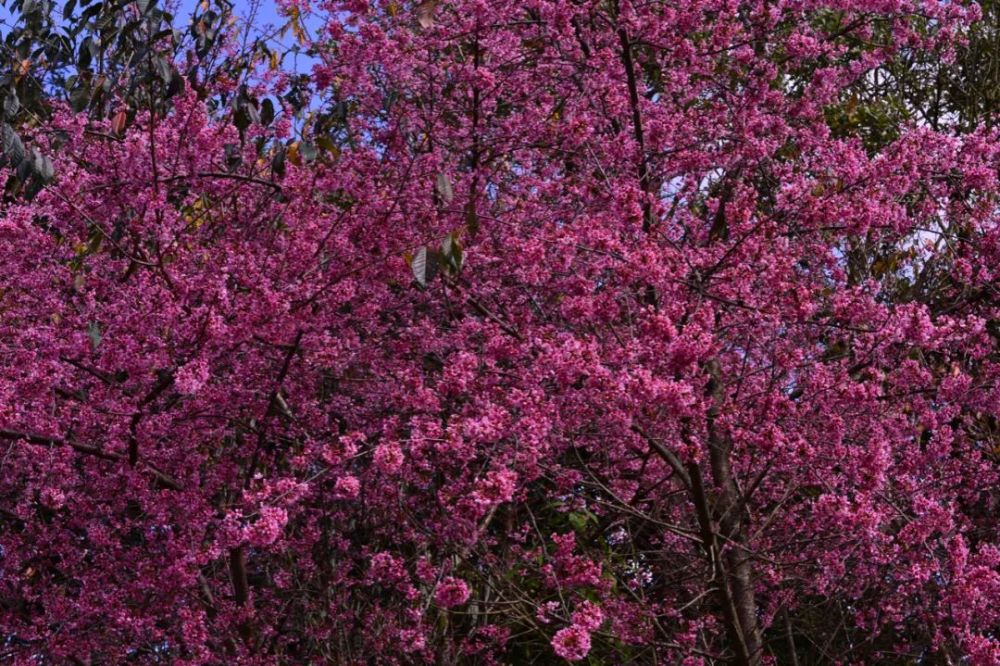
<point x="616" y="332"/>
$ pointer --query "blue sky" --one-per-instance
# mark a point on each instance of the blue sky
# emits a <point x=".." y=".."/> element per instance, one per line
<point x="264" y="13"/>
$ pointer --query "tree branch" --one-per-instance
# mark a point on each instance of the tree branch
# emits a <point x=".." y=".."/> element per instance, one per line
<point x="87" y="449"/>
<point x="667" y="455"/>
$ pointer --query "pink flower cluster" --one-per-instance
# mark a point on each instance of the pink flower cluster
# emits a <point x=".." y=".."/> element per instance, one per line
<point x="572" y="643"/>
<point x="347" y="487"/>
<point x="497" y="487"/>
<point x="268" y="527"/>
<point x="452" y="592"/>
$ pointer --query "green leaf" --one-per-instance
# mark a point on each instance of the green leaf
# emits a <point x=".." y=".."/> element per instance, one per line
<point x="86" y="54"/>
<point x="13" y="149"/>
<point x="233" y="157"/>
<point x="425" y="13"/>
<point x="11" y="103"/>
<point x="471" y="217"/>
<point x="308" y="151"/>
<point x="118" y="122"/>
<point x="43" y="166"/>
<point x="241" y="119"/>
<point x="425" y="265"/>
<point x="94" y="333"/>
<point x="278" y="161"/>
<point x="23" y="171"/>
<point x="91" y="12"/>
<point x="326" y="143"/>
<point x="79" y="98"/>
<point x="163" y="68"/>
<point x="578" y="521"/>
<point x="452" y="252"/>
<point x="444" y="188"/>
<point x="252" y="112"/>
<point x="175" y="86"/>
<point x="266" y="112"/>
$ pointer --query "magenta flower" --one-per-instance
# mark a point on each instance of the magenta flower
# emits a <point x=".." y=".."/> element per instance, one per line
<point x="268" y="526"/>
<point x="347" y="487"/>
<point x="451" y="592"/>
<point x="589" y="616"/>
<point x="572" y="643"/>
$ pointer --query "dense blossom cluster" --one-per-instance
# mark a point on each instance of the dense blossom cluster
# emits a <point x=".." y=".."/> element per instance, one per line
<point x="587" y="335"/>
<point x="571" y="643"/>
<point x="452" y="592"/>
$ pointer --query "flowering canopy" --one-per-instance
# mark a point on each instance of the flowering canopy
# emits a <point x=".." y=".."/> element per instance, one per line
<point x="559" y="330"/>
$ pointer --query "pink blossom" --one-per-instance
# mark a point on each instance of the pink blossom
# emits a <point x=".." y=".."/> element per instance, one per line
<point x="347" y="487"/>
<point x="452" y="592"/>
<point x="192" y="376"/>
<point x="385" y="568"/>
<point x="388" y="457"/>
<point x="498" y="486"/>
<point x="53" y="498"/>
<point x="572" y="643"/>
<point x="412" y="640"/>
<point x="589" y="616"/>
<point x="268" y="526"/>
<point x="545" y="611"/>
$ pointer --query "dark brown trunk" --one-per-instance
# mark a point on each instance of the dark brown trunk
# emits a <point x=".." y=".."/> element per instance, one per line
<point x="729" y="511"/>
